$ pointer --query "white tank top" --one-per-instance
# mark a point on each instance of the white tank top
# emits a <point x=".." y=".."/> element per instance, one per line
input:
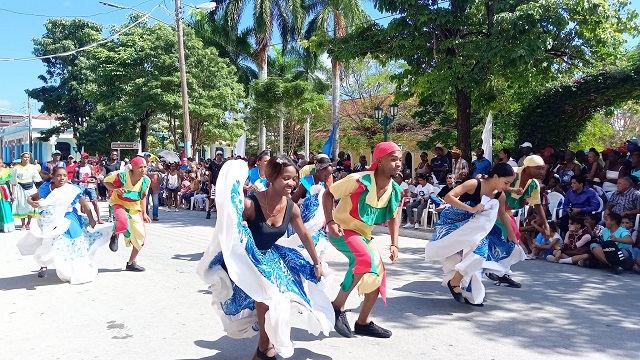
<point x="172" y="182"/>
<point x="611" y="175"/>
<point x="84" y="173"/>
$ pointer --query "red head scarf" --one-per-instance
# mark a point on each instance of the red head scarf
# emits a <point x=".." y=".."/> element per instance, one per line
<point x="381" y="150"/>
<point x="137" y="161"/>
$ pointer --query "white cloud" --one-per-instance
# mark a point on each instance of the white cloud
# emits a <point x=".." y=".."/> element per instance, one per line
<point x="5" y="104"/>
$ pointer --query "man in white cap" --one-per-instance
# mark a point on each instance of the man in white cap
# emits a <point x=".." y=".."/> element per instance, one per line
<point x="300" y="158"/>
<point x="55" y="161"/>
<point x="526" y="149"/>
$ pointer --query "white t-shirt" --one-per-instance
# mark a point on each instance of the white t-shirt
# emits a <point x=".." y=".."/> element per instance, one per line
<point x="424" y="191"/>
<point x="404" y="186"/>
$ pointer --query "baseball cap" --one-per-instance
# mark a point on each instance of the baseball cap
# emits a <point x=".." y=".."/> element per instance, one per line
<point x="219" y="152"/>
<point x="526" y="144"/>
<point x="70" y="157"/>
<point x="622" y="149"/>
<point x="56" y="152"/>
<point x="84" y="155"/>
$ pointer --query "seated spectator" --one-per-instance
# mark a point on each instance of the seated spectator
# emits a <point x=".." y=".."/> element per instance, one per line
<point x="480" y="165"/>
<point x="579" y="201"/>
<point x="451" y="183"/>
<point x="554" y="185"/>
<point x="568" y="170"/>
<point x="625" y="201"/>
<point x="545" y="245"/>
<point x="576" y="244"/>
<point x="462" y="177"/>
<point x="616" y="250"/>
<point x="591" y="222"/>
<point x="421" y="195"/>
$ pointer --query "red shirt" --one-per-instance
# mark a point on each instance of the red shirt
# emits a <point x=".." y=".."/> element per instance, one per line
<point x="71" y="170"/>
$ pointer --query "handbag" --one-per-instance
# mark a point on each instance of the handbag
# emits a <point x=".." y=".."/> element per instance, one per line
<point x="26" y="186"/>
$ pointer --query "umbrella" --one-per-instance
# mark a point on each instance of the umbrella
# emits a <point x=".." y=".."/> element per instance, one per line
<point x="168" y="156"/>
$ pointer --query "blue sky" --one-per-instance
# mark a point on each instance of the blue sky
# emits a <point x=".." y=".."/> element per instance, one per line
<point x="21" y="21"/>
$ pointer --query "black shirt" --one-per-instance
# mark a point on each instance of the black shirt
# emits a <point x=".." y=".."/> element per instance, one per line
<point x="444" y="191"/>
<point x="214" y="171"/>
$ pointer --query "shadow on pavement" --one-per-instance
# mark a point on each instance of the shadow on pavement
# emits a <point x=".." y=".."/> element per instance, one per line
<point x="188" y="257"/>
<point x="109" y="270"/>
<point x="29" y="281"/>
<point x="231" y="349"/>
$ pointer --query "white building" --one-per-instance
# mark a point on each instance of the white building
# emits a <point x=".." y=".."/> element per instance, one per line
<point x="14" y="138"/>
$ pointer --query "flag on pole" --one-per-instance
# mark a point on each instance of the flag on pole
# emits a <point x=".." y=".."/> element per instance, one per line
<point x="328" y="146"/>
<point x="82" y="151"/>
<point x="241" y="145"/>
<point x="487" y="138"/>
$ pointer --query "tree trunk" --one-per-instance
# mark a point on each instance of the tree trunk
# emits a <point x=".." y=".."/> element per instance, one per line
<point x="144" y="127"/>
<point x="463" y="112"/>
<point x="260" y="56"/>
<point x="339" y="30"/>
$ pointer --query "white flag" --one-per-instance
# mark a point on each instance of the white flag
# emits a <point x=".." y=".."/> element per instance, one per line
<point x="487" y="138"/>
<point x="241" y="144"/>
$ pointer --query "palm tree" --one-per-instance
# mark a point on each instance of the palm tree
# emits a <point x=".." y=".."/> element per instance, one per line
<point x="287" y="15"/>
<point x="335" y="16"/>
<point x="235" y="46"/>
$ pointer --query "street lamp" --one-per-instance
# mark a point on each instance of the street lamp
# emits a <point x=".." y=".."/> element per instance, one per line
<point x="206" y="7"/>
<point x="384" y="119"/>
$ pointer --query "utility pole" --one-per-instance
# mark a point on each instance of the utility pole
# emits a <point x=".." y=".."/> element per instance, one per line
<point x="183" y="82"/>
<point x="306" y="137"/>
<point x="30" y="127"/>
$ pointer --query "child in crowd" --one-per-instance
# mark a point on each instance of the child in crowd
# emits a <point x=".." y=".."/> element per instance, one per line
<point x="627" y="223"/>
<point x="616" y="249"/>
<point x="576" y="244"/>
<point x="595" y="230"/>
<point x="545" y="245"/>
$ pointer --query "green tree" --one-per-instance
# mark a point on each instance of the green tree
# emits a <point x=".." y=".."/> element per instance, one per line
<point x="337" y="17"/>
<point x="464" y="52"/>
<point x="65" y="77"/>
<point x="287" y="16"/>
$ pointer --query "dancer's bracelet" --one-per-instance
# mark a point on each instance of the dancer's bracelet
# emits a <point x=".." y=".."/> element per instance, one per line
<point x="317" y="265"/>
<point x="396" y="246"/>
<point x="330" y="221"/>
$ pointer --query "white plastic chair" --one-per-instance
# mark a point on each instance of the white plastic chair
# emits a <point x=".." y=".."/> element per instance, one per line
<point x="556" y="200"/>
<point x="193" y="202"/>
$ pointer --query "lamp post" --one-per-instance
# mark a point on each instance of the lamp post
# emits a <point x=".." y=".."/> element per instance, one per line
<point x="384" y="119"/>
<point x="206" y="7"/>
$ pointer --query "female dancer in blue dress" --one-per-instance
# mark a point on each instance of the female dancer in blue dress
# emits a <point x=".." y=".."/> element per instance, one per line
<point x="61" y="236"/>
<point x="253" y="278"/>
<point x="461" y="243"/>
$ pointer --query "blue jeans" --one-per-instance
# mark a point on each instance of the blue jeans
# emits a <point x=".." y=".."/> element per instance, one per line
<point x="154" y="198"/>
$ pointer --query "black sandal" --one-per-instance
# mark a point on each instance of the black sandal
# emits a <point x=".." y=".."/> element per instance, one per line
<point x="472" y="304"/>
<point x="457" y="296"/>
<point x="263" y="355"/>
<point x="42" y="273"/>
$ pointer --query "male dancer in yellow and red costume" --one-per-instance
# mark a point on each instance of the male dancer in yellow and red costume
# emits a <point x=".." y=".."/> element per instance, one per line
<point x="366" y="198"/>
<point x="129" y="202"/>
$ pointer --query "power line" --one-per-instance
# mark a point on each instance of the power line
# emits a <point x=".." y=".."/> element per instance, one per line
<point x="71" y="52"/>
<point x="67" y="16"/>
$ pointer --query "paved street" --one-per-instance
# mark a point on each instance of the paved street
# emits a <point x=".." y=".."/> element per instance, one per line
<point x="562" y="311"/>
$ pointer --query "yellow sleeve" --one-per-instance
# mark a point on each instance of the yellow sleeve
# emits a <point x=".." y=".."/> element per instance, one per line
<point x="111" y="177"/>
<point x="535" y="198"/>
<point x="306" y="170"/>
<point x="344" y="187"/>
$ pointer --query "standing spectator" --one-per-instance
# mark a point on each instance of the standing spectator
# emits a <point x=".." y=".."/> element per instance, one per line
<point x="55" y="161"/>
<point x="172" y="185"/>
<point x="440" y="163"/>
<point x="458" y="164"/>
<point x="480" y="165"/>
<point x="301" y="157"/>
<point x="526" y="150"/>
<point x="23" y="177"/>
<point x="257" y="180"/>
<point x="505" y="156"/>
<point x="71" y="165"/>
<point x="214" y="170"/>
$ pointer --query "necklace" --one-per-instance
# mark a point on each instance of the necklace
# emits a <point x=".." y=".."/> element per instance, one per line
<point x="274" y="213"/>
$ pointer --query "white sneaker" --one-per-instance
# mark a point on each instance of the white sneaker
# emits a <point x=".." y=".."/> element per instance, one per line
<point x="416" y="226"/>
<point x="551" y="258"/>
<point x="176" y="209"/>
<point x="168" y="209"/>
<point x="407" y="225"/>
<point x="529" y="257"/>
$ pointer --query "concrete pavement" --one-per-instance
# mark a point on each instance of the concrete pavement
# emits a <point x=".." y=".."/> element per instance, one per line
<point x="561" y="312"/>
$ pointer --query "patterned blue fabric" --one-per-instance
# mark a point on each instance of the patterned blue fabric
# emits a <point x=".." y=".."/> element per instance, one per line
<point x="75" y="227"/>
<point x="308" y="209"/>
<point x="285" y="267"/>
<point x="493" y="247"/>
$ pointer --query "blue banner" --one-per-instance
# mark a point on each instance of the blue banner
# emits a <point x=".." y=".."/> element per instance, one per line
<point x="328" y="146"/>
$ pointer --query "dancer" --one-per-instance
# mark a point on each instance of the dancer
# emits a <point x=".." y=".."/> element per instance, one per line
<point x="257" y="180"/>
<point x="311" y="168"/>
<point x="61" y="236"/>
<point x="6" y="217"/>
<point x="366" y="198"/>
<point x="22" y="181"/>
<point x="251" y="276"/>
<point x="525" y="187"/>
<point x="461" y="234"/>
<point x="129" y="203"/>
